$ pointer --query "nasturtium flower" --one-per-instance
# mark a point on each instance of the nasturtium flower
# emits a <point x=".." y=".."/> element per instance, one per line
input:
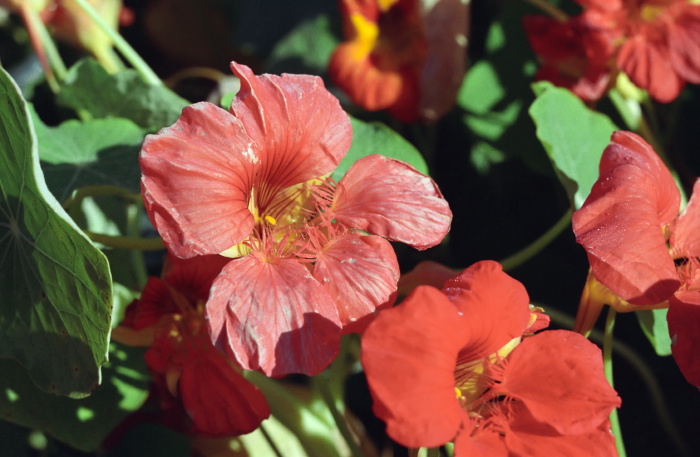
<point x="461" y="364"/>
<point x="656" y="43"/>
<point x="405" y="56"/>
<point x="641" y="251"/>
<point x="196" y="383"/>
<point x="311" y="258"/>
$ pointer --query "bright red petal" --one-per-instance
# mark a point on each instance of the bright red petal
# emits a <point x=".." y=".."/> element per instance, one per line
<point x="218" y="399"/>
<point x="426" y="273"/>
<point x="390" y="198"/>
<point x="685" y="236"/>
<point x="620" y="223"/>
<point x="496" y="306"/>
<point x="684" y="328"/>
<point x="409" y="353"/>
<point x="360" y="274"/>
<point x="648" y="64"/>
<point x="273" y="316"/>
<point x="155" y="302"/>
<point x="196" y="180"/>
<point x="558" y="375"/>
<point x="297" y="128"/>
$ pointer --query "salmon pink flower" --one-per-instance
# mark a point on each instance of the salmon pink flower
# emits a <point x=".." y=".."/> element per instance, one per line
<point x="195" y="381"/>
<point x="460" y="365"/>
<point x="310" y="256"/>
<point x="406" y="56"/>
<point x="634" y="239"/>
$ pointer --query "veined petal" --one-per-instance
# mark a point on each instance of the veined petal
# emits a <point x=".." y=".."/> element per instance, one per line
<point x="684" y="42"/>
<point x="685" y="234"/>
<point x="620" y="223"/>
<point x="298" y="128"/>
<point x="155" y="302"/>
<point x="196" y="180"/>
<point x="648" y="64"/>
<point x="193" y="277"/>
<point x="390" y="198"/>
<point x="558" y="375"/>
<point x="409" y="353"/>
<point x="684" y="328"/>
<point x="217" y="398"/>
<point x="273" y="316"/>
<point x="496" y="306"/>
<point x="360" y="274"/>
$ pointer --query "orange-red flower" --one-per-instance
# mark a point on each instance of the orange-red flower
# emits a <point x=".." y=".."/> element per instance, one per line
<point x="310" y="256"/>
<point x="195" y="381"/>
<point x="655" y="42"/>
<point x="634" y="237"/>
<point x="406" y="56"/>
<point x="453" y="365"/>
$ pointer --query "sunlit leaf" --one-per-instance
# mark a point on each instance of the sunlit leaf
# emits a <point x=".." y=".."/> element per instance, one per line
<point x="55" y="286"/>
<point x="377" y="138"/>
<point x="89" y="87"/>
<point x="573" y="136"/>
<point x="83" y="423"/>
<point x="655" y="327"/>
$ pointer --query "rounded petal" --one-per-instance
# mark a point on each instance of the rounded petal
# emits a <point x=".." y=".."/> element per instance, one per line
<point x="684" y="42"/>
<point x="390" y="198"/>
<point x="193" y="277"/>
<point x="685" y="236"/>
<point x="409" y="353"/>
<point x="558" y="375"/>
<point x="649" y="66"/>
<point x="496" y="305"/>
<point x="684" y="328"/>
<point x="360" y="274"/>
<point x="196" y="179"/>
<point x="620" y="223"/>
<point x="298" y="129"/>
<point x="426" y="273"/>
<point x="271" y="315"/>
<point x="156" y="301"/>
<point x="219" y="400"/>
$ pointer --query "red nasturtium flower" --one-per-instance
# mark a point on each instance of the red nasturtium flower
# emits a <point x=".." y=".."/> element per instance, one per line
<point x="459" y="364"/>
<point x="201" y="390"/>
<point x="251" y="184"/>
<point x="656" y="42"/>
<point x="406" y="56"/>
<point x="642" y="252"/>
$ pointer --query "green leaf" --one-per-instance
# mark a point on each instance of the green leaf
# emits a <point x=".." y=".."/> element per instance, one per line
<point x="89" y="87"/>
<point x="89" y="153"/>
<point x="573" y="136"/>
<point x="377" y="138"/>
<point x="84" y="423"/>
<point x="655" y="327"/>
<point x="55" y="286"/>
<point x="306" y="49"/>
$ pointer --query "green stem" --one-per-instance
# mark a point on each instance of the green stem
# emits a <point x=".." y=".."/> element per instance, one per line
<point x="122" y="45"/>
<point x="44" y="47"/>
<point x="323" y="386"/>
<point x="538" y="245"/>
<point x="433" y="452"/>
<point x="127" y="242"/>
<point x="269" y="439"/>
<point x="95" y="191"/>
<point x="550" y="9"/>
<point x="608" y="366"/>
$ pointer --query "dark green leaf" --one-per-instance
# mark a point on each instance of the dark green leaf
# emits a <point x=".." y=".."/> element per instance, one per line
<point x="89" y="87"/>
<point x="81" y="423"/>
<point x="306" y="49"/>
<point x="55" y="286"/>
<point x="90" y="153"/>
<point x="573" y="136"/>
<point x="377" y="138"/>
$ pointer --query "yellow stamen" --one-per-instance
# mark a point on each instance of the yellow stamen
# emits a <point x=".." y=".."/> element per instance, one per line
<point x="271" y="220"/>
<point x="458" y="392"/>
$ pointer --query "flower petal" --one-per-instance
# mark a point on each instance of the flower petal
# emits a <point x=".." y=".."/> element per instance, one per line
<point x="218" y="399"/>
<point x="193" y="277"/>
<point x="196" y="180"/>
<point x="155" y="302"/>
<point x="273" y="316"/>
<point x="558" y="375"/>
<point x="409" y="353"/>
<point x="298" y="129"/>
<point x="684" y="42"/>
<point x="496" y="306"/>
<point x="685" y="235"/>
<point x="360" y="274"/>
<point x="426" y="273"/>
<point x="684" y="328"/>
<point x="390" y="198"/>
<point x="620" y="223"/>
